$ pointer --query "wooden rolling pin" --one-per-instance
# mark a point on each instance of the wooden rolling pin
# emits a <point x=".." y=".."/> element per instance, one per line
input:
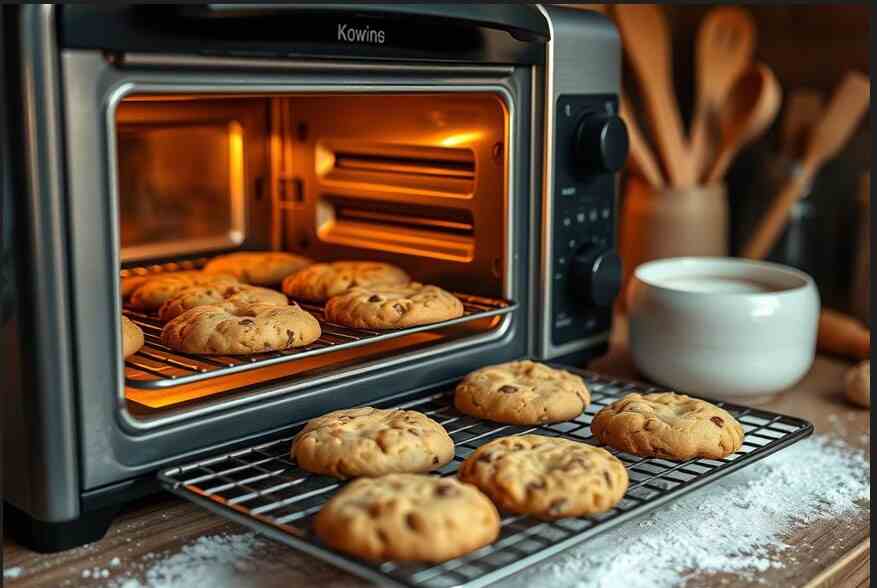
<point x="841" y="334"/>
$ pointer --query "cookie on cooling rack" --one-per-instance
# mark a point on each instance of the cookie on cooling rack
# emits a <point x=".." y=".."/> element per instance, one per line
<point x="132" y="337"/>
<point x="261" y="268"/>
<point x="546" y="477"/>
<point x="408" y="517"/>
<point x="372" y="442"/>
<point x="158" y="289"/>
<point x="522" y="393"/>
<point x="227" y="295"/>
<point x="668" y="425"/>
<point x="257" y="328"/>
<point x="321" y="281"/>
<point x="393" y="307"/>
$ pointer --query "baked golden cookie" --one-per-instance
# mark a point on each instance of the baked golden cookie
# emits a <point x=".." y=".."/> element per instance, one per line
<point x="261" y="268"/>
<point x="131" y="283"/>
<point x="257" y="328"/>
<point x="393" y="307"/>
<point x="372" y="442"/>
<point x="522" y="393"/>
<point x="226" y="295"/>
<point x="407" y="517"/>
<point x="858" y="384"/>
<point x="321" y="281"/>
<point x="162" y="287"/>
<point x="132" y="337"/>
<point x="668" y="425"/>
<point x="546" y="477"/>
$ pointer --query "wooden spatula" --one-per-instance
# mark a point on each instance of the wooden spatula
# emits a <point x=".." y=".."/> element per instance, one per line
<point x="801" y="110"/>
<point x="749" y="110"/>
<point x="640" y="152"/>
<point x="833" y="130"/>
<point x="646" y="37"/>
<point x="724" y="49"/>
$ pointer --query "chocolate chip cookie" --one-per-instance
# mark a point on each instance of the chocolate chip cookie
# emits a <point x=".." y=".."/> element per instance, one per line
<point x="157" y="290"/>
<point x="321" y="281"/>
<point x="231" y="296"/>
<point x="257" y="328"/>
<point x="668" y="425"/>
<point x="407" y="517"/>
<point x="522" y="393"/>
<point x="393" y="307"/>
<point x="132" y="337"/>
<point x="372" y="442"/>
<point x="260" y="268"/>
<point x="546" y="477"/>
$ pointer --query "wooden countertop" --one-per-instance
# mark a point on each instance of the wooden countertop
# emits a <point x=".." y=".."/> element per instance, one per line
<point x="822" y="554"/>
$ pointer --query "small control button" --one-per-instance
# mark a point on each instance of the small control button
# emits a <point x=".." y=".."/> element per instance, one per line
<point x="592" y="216"/>
<point x="580" y="217"/>
<point x="606" y="213"/>
<point x="567" y="221"/>
<point x="572" y="243"/>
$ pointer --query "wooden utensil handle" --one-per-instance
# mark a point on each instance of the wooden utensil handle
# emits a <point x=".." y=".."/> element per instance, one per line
<point x="777" y="216"/>
<point x="840" y="334"/>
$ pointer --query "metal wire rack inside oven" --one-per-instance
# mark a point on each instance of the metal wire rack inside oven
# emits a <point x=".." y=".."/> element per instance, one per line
<point x="260" y="487"/>
<point x="157" y="366"/>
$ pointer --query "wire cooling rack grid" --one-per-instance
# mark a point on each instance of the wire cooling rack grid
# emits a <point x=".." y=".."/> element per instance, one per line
<point x="261" y="488"/>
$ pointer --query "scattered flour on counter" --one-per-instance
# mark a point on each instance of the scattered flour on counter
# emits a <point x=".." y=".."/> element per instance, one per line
<point x="736" y="525"/>
<point x="215" y="561"/>
<point x="12" y="572"/>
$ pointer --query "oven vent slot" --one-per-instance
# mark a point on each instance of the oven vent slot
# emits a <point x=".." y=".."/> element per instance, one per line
<point x="436" y="232"/>
<point x="405" y="165"/>
<point x="405" y="168"/>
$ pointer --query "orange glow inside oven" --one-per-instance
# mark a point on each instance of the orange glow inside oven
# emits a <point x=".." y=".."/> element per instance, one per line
<point x="418" y="180"/>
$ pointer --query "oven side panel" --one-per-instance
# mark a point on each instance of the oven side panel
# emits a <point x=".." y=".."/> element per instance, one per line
<point x="40" y="460"/>
<point x="113" y="448"/>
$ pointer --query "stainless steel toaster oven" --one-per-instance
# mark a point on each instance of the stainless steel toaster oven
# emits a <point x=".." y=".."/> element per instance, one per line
<point x="473" y="145"/>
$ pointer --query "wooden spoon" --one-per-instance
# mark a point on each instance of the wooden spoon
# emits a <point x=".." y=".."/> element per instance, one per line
<point x="839" y="120"/>
<point x="802" y="109"/>
<point x="647" y="41"/>
<point x="640" y="152"/>
<point x="724" y="49"/>
<point x="751" y="107"/>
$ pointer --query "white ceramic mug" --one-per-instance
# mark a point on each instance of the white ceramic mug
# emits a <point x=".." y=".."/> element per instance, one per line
<point x="722" y="327"/>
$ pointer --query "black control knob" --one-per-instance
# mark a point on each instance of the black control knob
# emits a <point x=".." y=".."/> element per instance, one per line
<point x="596" y="275"/>
<point x="601" y="143"/>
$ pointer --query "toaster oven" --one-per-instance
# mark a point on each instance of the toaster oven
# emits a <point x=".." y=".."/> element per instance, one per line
<point x="472" y="145"/>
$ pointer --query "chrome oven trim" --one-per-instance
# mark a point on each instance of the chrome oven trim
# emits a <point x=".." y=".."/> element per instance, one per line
<point x="125" y="88"/>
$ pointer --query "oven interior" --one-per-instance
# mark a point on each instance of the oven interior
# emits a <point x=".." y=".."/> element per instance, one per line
<point x="415" y="179"/>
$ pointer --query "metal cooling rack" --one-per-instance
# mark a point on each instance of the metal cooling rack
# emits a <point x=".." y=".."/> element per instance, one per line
<point x="261" y="488"/>
<point x="157" y="366"/>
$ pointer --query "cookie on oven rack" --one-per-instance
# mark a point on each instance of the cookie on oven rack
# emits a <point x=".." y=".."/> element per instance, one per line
<point x="408" y="517"/>
<point x="260" y="268"/>
<point x="668" y="425"/>
<point x="132" y="337"/>
<point x="370" y="441"/>
<point x="227" y="295"/>
<point x="257" y="328"/>
<point x="158" y="289"/>
<point x="393" y="307"/>
<point x="522" y="393"/>
<point x="546" y="477"/>
<point x="321" y="281"/>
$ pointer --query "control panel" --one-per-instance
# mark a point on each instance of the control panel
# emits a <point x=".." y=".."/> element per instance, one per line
<point x="591" y="146"/>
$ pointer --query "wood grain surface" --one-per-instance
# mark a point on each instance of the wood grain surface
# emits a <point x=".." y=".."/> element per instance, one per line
<point x="828" y="553"/>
